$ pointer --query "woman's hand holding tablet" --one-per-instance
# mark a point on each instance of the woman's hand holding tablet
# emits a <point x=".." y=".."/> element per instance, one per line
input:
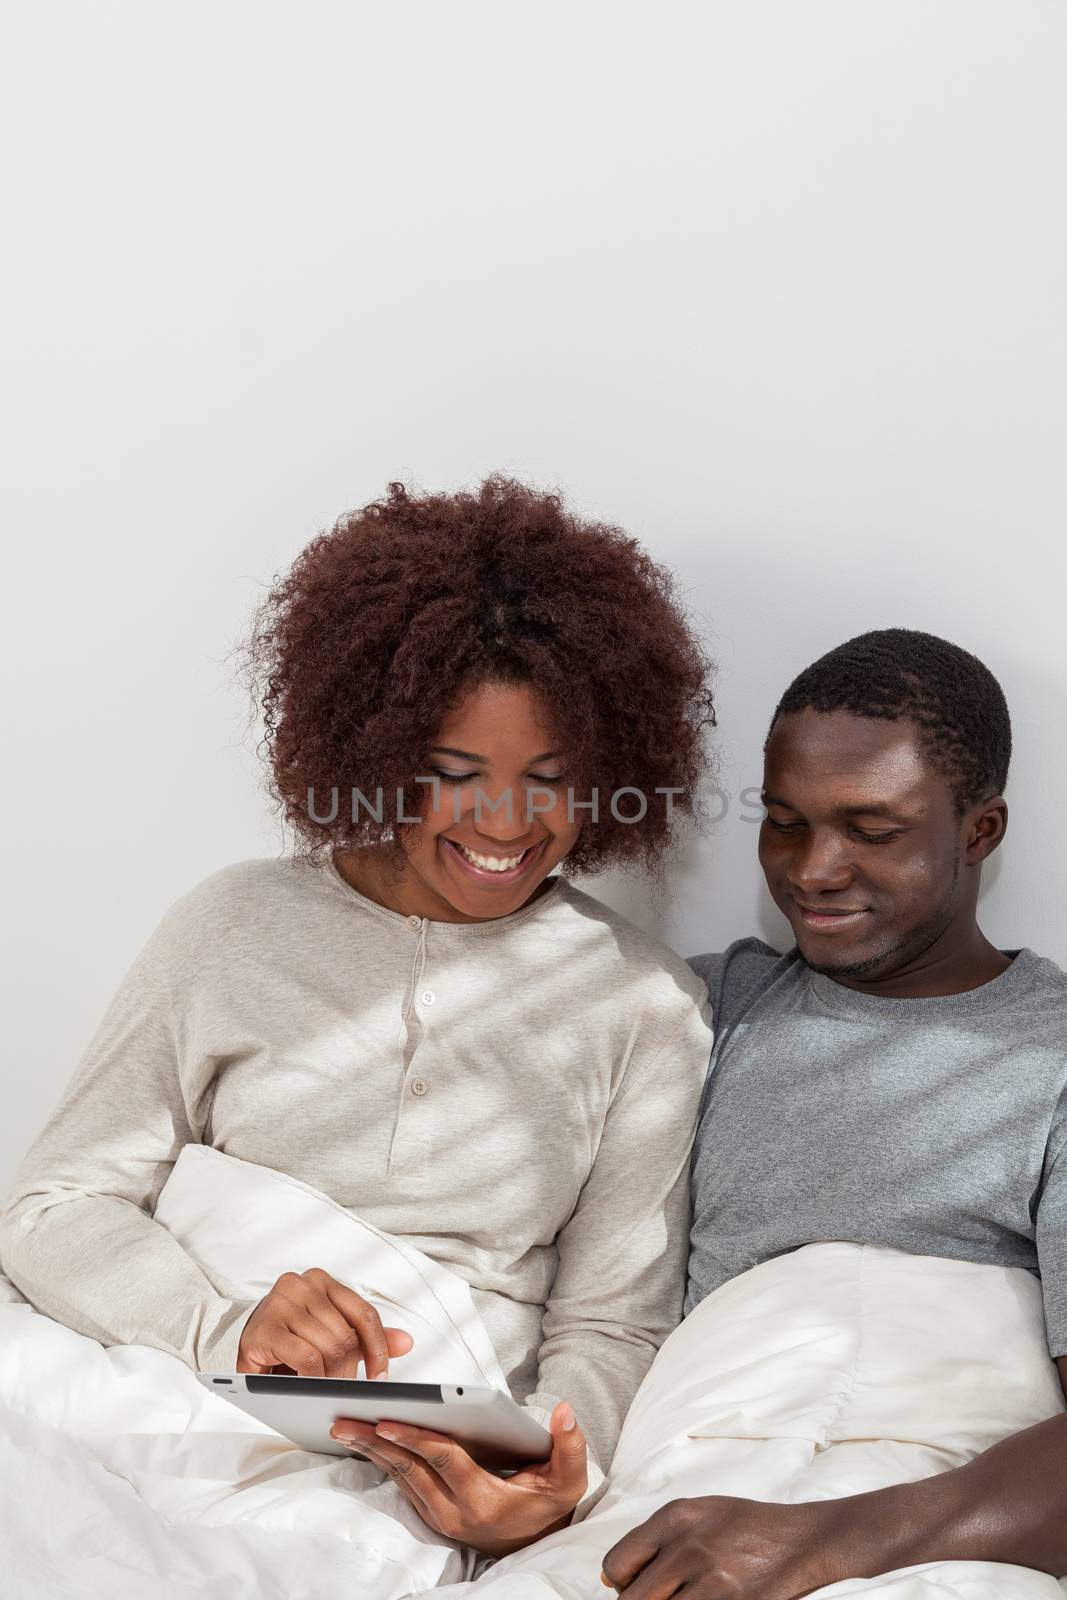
<point x="487" y="1422"/>
<point x="319" y="1328"/>
<point x="441" y="1474"/>
<point x="460" y="1499"/>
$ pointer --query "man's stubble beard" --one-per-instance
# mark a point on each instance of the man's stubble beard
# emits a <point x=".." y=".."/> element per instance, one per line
<point x="906" y="949"/>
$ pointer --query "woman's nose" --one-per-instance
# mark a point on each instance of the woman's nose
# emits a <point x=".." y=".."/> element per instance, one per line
<point x="498" y="814"/>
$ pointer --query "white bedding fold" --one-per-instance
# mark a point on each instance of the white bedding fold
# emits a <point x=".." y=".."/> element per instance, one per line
<point x="123" y="1475"/>
<point x="831" y="1370"/>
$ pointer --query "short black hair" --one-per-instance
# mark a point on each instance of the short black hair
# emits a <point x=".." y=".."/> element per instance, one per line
<point x="902" y="675"/>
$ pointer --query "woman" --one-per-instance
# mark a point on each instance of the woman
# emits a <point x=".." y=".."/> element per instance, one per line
<point x="416" y="1014"/>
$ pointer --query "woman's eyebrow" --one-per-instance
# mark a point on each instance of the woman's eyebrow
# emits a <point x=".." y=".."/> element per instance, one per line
<point x="467" y="755"/>
<point x="464" y="755"/>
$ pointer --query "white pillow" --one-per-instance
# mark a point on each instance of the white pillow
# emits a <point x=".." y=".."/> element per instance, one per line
<point x="245" y="1225"/>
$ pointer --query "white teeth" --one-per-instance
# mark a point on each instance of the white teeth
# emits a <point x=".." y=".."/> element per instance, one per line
<point x="490" y="863"/>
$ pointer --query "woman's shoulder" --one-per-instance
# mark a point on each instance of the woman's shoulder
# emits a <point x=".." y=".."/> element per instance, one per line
<point x="241" y="893"/>
<point x="622" y="943"/>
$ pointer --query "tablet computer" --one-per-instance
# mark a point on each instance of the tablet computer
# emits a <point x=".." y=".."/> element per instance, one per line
<point x="495" y="1430"/>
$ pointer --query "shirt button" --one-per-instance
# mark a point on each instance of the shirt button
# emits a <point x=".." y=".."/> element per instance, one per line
<point x="413" y="922"/>
<point x="427" y="997"/>
<point x="418" y="1087"/>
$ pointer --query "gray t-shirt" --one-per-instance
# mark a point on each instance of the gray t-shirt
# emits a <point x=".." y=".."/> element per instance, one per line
<point x="935" y="1126"/>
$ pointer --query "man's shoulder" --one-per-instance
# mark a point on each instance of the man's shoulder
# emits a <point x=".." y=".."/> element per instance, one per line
<point x="1048" y="972"/>
<point x="741" y="972"/>
<point x="1041" y="987"/>
<point x="750" y="953"/>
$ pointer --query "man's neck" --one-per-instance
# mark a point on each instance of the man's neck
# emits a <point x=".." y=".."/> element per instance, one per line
<point x="947" y="967"/>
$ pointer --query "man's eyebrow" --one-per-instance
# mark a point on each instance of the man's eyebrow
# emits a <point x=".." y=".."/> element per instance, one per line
<point x="468" y="755"/>
<point x="872" y="808"/>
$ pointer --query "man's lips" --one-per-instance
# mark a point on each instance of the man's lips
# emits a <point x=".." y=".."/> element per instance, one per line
<point x="829" y="919"/>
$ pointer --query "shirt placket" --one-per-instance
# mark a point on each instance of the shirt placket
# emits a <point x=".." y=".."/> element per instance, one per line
<point x="413" y="1088"/>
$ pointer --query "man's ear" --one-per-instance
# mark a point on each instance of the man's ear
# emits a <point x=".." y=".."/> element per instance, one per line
<point x="984" y="827"/>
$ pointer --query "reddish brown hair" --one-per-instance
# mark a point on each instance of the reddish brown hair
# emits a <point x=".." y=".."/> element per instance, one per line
<point x="384" y="622"/>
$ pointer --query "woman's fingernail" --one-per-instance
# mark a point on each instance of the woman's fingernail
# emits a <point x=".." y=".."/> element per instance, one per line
<point x="568" y="1418"/>
<point x="382" y="1434"/>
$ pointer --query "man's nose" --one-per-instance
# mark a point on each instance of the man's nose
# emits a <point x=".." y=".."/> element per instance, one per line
<point x="820" y="865"/>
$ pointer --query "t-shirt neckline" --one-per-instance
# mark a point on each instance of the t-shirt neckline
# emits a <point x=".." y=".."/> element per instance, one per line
<point x="1005" y="987"/>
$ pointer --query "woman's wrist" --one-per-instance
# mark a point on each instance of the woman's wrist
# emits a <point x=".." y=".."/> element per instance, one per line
<point x="506" y="1547"/>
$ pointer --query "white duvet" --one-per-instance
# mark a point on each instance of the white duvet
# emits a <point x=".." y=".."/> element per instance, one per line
<point x="122" y="1476"/>
<point x="831" y="1370"/>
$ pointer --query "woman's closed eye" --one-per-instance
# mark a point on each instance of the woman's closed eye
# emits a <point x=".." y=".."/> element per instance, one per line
<point x="451" y="777"/>
<point x="464" y="777"/>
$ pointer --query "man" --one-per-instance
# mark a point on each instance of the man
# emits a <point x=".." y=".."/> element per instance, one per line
<point x="885" y="768"/>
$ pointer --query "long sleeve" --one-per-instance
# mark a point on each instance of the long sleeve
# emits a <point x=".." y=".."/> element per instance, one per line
<point x="273" y="1012"/>
<point x="622" y="1256"/>
<point x="77" y="1235"/>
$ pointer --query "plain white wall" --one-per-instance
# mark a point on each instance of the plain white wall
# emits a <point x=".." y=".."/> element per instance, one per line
<point x="778" y="287"/>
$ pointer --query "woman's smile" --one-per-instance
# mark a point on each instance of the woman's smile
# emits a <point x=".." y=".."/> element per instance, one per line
<point x="490" y="867"/>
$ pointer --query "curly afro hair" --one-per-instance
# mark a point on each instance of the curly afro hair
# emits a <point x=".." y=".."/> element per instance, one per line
<point x="384" y="622"/>
<point x="898" y="674"/>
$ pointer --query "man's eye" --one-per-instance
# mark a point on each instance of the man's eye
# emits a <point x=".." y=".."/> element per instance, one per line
<point x="876" y="838"/>
<point x="784" y="827"/>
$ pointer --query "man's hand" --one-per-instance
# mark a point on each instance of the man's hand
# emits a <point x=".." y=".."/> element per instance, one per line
<point x="318" y="1328"/>
<point x="458" y="1498"/>
<point x="719" y="1548"/>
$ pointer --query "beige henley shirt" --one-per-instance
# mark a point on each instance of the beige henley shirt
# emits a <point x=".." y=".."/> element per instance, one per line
<point x="516" y="1098"/>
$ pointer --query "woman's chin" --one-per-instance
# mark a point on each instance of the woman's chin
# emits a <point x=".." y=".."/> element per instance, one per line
<point x="489" y="902"/>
